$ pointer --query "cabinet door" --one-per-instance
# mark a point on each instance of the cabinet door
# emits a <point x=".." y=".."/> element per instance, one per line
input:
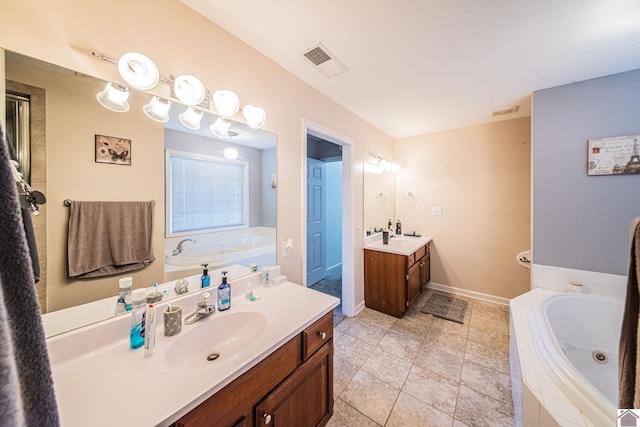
<point x="305" y="399"/>
<point x="413" y="283"/>
<point x="385" y="282"/>
<point x="425" y="270"/>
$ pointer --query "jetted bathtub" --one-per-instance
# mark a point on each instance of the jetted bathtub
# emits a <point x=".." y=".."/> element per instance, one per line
<point x="576" y="336"/>
<point x="243" y="247"/>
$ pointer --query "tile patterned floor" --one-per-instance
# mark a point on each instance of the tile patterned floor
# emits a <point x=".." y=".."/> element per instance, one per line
<point x="423" y="371"/>
<point x="332" y="285"/>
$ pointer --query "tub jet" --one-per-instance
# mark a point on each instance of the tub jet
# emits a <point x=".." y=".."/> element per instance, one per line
<point x="600" y="357"/>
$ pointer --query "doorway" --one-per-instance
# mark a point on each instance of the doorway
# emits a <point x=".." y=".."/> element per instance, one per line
<point x="335" y="154"/>
<point x="324" y="218"/>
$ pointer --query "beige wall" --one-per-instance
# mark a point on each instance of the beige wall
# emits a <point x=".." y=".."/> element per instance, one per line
<point x="480" y="177"/>
<point x="181" y="41"/>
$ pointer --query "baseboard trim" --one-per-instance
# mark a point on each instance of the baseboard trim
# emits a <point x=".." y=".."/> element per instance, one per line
<point x="358" y="308"/>
<point x="339" y="265"/>
<point x="468" y="293"/>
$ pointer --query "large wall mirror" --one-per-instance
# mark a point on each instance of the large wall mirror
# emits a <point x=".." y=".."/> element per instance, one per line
<point x="379" y="198"/>
<point x="65" y="118"/>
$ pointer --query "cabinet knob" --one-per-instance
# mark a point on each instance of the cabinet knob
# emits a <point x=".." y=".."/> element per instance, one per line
<point x="323" y="335"/>
<point x="267" y="418"/>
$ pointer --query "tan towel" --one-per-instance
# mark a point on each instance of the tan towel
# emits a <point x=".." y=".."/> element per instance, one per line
<point x="107" y="238"/>
<point x="628" y="361"/>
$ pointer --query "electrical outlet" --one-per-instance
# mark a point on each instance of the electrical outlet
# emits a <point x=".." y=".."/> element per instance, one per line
<point x="286" y="247"/>
<point x="436" y="211"/>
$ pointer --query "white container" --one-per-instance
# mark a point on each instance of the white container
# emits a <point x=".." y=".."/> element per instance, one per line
<point x="126" y="287"/>
<point x="150" y="330"/>
<point x="575" y="287"/>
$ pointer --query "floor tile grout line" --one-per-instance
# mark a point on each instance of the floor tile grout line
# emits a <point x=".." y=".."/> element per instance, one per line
<point x="433" y="325"/>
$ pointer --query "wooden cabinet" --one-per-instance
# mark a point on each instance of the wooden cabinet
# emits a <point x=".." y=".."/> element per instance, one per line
<point x="293" y="386"/>
<point x="302" y="400"/>
<point x="392" y="281"/>
<point x="425" y="268"/>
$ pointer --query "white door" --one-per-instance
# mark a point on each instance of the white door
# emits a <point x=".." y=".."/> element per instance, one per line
<point x="316" y="198"/>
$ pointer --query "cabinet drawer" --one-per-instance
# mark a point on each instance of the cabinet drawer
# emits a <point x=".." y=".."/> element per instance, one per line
<point x="316" y="335"/>
<point x="420" y="252"/>
<point x="411" y="259"/>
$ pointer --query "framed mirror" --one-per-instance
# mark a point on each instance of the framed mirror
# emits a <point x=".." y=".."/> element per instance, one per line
<point x="65" y="122"/>
<point x="379" y="198"/>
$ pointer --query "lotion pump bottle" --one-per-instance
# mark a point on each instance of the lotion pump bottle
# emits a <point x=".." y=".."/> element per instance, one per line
<point x="224" y="294"/>
<point x="205" y="279"/>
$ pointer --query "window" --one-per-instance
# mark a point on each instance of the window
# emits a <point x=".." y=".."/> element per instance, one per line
<point x="205" y="193"/>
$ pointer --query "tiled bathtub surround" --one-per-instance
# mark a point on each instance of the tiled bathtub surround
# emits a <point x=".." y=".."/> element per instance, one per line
<point x="542" y="403"/>
<point x="423" y="371"/>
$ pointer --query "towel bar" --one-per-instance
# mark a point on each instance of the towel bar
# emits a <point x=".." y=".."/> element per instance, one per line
<point x="67" y="202"/>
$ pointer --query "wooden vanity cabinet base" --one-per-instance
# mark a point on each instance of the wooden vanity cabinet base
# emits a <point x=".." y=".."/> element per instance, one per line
<point x="392" y="282"/>
<point x="293" y="386"/>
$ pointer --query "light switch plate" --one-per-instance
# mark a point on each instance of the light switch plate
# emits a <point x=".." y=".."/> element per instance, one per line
<point x="436" y="211"/>
<point x="286" y="249"/>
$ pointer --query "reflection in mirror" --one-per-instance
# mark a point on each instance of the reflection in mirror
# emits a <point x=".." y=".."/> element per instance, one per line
<point x="65" y="118"/>
<point x="379" y="198"/>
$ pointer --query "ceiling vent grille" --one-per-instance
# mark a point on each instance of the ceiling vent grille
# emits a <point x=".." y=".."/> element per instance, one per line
<point x="324" y="61"/>
<point x="317" y="56"/>
<point x="506" y="111"/>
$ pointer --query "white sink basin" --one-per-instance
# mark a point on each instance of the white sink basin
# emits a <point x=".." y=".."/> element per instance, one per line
<point x="216" y="338"/>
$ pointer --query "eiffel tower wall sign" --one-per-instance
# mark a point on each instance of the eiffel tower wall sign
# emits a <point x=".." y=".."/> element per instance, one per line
<point x="618" y="155"/>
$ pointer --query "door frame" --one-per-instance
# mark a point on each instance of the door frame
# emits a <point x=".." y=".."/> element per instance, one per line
<point x="348" y="224"/>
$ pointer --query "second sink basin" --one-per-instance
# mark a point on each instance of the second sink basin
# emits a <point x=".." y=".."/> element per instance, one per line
<point x="216" y="338"/>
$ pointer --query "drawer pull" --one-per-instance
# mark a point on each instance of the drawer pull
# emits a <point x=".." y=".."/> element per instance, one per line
<point x="323" y="335"/>
<point x="267" y="418"/>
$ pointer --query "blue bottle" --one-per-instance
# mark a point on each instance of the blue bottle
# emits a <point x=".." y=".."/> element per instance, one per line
<point x="205" y="280"/>
<point x="136" y="335"/>
<point x="224" y="294"/>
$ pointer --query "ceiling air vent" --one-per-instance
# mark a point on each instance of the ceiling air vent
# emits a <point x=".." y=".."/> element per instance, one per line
<point x="506" y="111"/>
<point x="324" y="61"/>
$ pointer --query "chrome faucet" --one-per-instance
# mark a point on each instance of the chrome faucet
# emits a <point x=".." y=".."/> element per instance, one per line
<point x="178" y="249"/>
<point x="204" y="309"/>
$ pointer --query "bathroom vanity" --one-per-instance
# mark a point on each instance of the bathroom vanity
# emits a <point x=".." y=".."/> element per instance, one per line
<point x="275" y="363"/>
<point x="395" y="273"/>
<point x="293" y="385"/>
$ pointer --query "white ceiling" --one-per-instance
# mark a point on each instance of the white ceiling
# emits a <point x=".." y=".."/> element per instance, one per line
<point x="419" y="66"/>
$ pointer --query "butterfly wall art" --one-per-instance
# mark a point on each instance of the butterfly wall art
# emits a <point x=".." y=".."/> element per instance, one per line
<point x="113" y="150"/>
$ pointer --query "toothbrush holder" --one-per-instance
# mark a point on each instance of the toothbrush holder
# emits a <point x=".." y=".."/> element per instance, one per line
<point x="172" y="320"/>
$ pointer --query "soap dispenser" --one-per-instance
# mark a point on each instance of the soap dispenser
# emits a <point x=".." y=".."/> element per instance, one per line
<point x="398" y="227"/>
<point x="205" y="279"/>
<point x="224" y="294"/>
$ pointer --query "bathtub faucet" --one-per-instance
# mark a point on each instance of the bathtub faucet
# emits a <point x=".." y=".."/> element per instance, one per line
<point x="178" y="250"/>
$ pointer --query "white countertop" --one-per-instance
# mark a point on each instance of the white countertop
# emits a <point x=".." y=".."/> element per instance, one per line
<point x="400" y="245"/>
<point x="100" y="381"/>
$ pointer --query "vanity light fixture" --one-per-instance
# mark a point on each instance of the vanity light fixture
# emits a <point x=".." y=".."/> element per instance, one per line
<point x="114" y="97"/>
<point x="158" y="109"/>
<point x="379" y="165"/>
<point x="189" y="90"/>
<point x="226" y="102"/>
<point x="191" y="118"/>
<point x="230" y="153"/>
<point x="255" y="116"/>
<point x="220" y="127"/>
<point x="138" y="70"/>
